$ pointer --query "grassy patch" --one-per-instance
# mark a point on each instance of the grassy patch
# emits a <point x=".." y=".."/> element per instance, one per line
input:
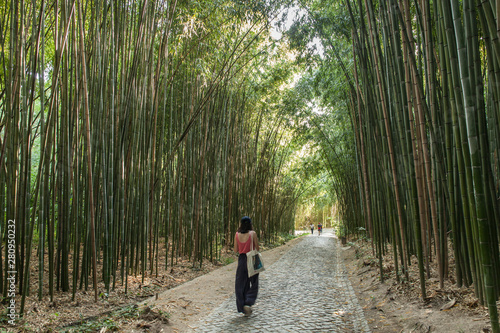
<point x="278" y="240"/>
<point x="227" y="260"/>
<point x="113" y="320"/>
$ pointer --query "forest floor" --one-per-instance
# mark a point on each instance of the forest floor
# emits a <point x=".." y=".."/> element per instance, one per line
<point x="178" y="298"/>
<point x="398" y="307"/>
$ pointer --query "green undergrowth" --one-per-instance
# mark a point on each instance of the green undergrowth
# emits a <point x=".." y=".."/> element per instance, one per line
<point x="362" y="250"/>
<point x="112" y="321"/>
<point x="278" y="240"/>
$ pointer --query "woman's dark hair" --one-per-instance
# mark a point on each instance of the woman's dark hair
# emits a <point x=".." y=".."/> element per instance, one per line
<point x="245" y="225"/>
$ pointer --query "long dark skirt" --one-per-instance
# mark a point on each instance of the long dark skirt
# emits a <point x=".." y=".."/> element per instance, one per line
<point x="246" y="288"/>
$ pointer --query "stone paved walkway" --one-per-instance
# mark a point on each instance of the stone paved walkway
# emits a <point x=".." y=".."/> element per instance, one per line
<point x="307" y="290"/>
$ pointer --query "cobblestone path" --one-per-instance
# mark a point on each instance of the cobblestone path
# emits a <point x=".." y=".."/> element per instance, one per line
<point x="307" y="290"/>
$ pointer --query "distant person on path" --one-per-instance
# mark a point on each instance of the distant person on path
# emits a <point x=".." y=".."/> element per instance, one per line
<point x="320" y="228"/>
<point x="246" y="288"/>
<point x="312" y="229"/>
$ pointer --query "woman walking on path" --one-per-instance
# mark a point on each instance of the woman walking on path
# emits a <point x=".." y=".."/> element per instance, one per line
<point x="246" y="288"/>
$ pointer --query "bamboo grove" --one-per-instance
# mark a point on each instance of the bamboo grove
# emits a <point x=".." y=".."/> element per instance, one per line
<point x="423" y="91"/>
<point x="132" y="131"/>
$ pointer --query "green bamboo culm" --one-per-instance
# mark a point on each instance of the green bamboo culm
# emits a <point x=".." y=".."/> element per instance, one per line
<point x="438" y="116"/>
<point x="120" y="149"/>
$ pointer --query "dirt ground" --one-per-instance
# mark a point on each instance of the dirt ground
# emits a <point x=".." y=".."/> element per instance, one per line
<point x="392" y="307"/>
<point x="193" y="293"/>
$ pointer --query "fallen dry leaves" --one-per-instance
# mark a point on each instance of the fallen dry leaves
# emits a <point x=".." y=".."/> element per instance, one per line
<point x="46" y="315"/>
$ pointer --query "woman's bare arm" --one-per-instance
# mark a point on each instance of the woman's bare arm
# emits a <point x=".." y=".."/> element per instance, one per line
<point x="235" y="243"/>
<point x="255" y="241"/>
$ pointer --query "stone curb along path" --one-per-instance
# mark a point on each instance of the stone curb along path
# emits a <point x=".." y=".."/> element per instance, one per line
<point x="307" y="290"/>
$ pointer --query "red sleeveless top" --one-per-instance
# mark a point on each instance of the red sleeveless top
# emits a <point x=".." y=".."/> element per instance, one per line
<point x="244" y="247"/>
